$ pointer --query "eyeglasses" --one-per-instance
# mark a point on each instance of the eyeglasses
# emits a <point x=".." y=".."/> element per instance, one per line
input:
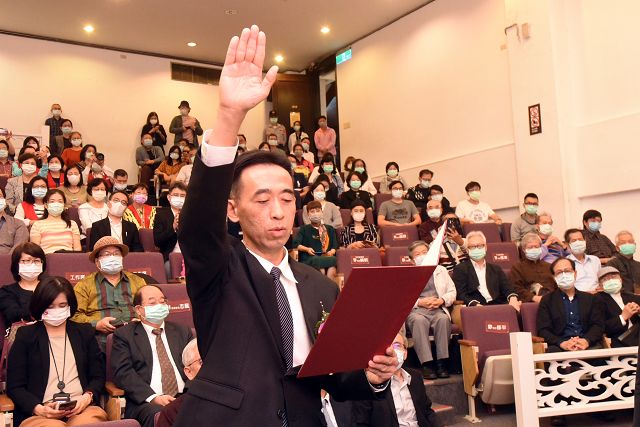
<point x="195" y="361"/>
<point x="566" y="270"/>
<point x="398" y="346"/>
<point x="33" y="261"/>
<point x="106" y="254"/>
<point x="481" y="246"/>
<point x="122" y="202"/>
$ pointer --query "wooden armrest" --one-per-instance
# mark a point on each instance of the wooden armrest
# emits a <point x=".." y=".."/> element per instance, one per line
<point x="468" y="343"/>
<point x="113" y="390"/>
<point x="535" y="339"/>
<point x="458" y="302"/>
<point x="6" y="404"/>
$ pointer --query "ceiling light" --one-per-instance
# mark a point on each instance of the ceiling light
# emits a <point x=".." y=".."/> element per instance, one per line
<point x="88" y="28"/>
<point x="325" y="30"/>
<point x="192" y="44"/>
<point x="279" y="58"/>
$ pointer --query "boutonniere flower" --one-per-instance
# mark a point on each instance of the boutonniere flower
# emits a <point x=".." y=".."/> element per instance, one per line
<point x="323" y="319"/>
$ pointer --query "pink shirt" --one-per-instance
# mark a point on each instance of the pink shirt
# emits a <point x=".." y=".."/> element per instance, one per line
<point x="325" y="141"/>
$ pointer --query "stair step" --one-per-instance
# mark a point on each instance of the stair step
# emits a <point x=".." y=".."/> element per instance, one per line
<point x="446" y="413"/>
<point x="448" y="391"/>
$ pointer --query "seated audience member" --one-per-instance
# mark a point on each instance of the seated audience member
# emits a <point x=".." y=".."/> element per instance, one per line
<point x="242" y="142"/>
<point x="87" y="155"/>
<point x="367" y="184"/>
<point x="300" y="182"/>
<point x="5" y="164"/>
<point x="55" y="124"/>
<point x="114" y="225"/>
<point x="42" y="368"/>
<point x="328" y="167"/>
<point x="138" y="212"/>
<point x="317" y="242"/>
<point x="597" y="243"/>
<point x="392" y="174"/>
<point x="359" y="234"/>
<point x="437" y="193"/>
<point x="419" y="194"/>
<point x="531" y="277"/>
<point x="28" y="263"/>
<point x="480" y="283"/>
<point x="526" y="222"/>
<point x="17" y="186"/>
<point x="96" y="208"/>
<point x="428" y="229"/>
<point x="32" y="208"/>
<point x="264" y="146"/>
<point x="170" y="166"/>
<point x="473" y="210"/>
<point x="331" y="191"/>
<point x="587" y="266"/>
<point x="148" y="157"/>
<point x="453" y="250"/>
<point x="55" y="176"/>
<point x="354" y="179"/>
<point x="192" y="363"/>
<point x="552" y="247"/>
<point x="623" y="261"/>
<point x="165" y="225"/>
<point x="105" y="298"/>
<point x="13" y="232"/>
<point x="72" y="155"/>
<point x="155" y="129"/>
<point x="74" y="191"/>
<point x="150" y="379"/>
<point x="430" y="313"/>
<point x="398" y="211"/>
<point x="330" y="212"/>
<point x="185" y="171"/>
<point x="303" y="165"/>
<point x="621" y="308"/>
<point x="121" y="181"/>
<point x="63" y="141"/>
<point x="96" y="168"/>
<point x="55" y="232"/>
<point x="306" y="146"/>
<point x="406" y="405"/>
<point x="272" y="140"/>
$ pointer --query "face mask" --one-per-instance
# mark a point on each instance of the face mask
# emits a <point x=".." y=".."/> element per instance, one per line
<point x="119" y="186"/>
<point x="243" y="146"/>
<point x="298" y="154"/>
<point x="177" y="202"/>
<point x="29" y="271"/>
<point x="396" y="194"/>
<point x="273" y="120"/>
<point x="327" y="168"/>
<point x="628" y="249"/>
<point x="156" y="313"/>
<point x="153" y="121"/>
<point x="73" y="179"/>
<point x="315" y="218"/>
<point x="174" y="156"/>
<point x="356" y="184"/>
<point x="399" y="356"/>
<point x="565" y="281"/>
<point x="392" y="173"/>
<point x="140" y="198"/>
<point x="89" y="155"/>
<point x="55" y="208"/>
<point x="434" y="213"/>
<point x="418" y="259"/>
<point x="322" y="124"/>
<point x="305" y="146"/>
<point x="477" y="254"/>
<point x="296" y="128"/>
<point x="184" y="111"/>
<point x="533" y="254"/>
<point x="595" y="226"/>
<point x="3" y="204"/>
<point x="475" y="195"/>
<point x="67" y="130"/>
<point x="55" y="167"/>
<point x="76" y="142"/>
<point x="359" y="169"/>
<point x="578" y="247"/>
<point x="4" y="153"/>
<point x="358" y="216"/>
<point x="117" y="209"/>
<point x="425" y="183"/>
<point x="319" y="195"/>
<point x="546" y="229"/>
<point x="38" y="193"/>
<point x="437" y="197"/>
<point x="56" y="316"/>
<point x="147" y="142"/>
<point x="99" y="195"/>
<point x="56" y="113"/>
<point x="612" y="286"/>
<point x="531" y="209"/>
<point x="193" y="159"/>
<point x="28" y="168"/>
<point x="273" y="142"/>
<point x="111" y="264"/>
<point x="96" y="168"/>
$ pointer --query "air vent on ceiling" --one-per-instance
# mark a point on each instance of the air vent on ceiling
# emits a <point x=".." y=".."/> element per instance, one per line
<point x="194" y="74"/>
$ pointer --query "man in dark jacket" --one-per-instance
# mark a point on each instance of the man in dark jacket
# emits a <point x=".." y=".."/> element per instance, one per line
<point x="113" y="225"/>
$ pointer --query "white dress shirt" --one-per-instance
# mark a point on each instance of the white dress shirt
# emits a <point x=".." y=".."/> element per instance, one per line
<point x="327" y="411"/>
<point x="156" y="372"/>
<point x="176" y="248"/>
<point x="405" y="410"/>
<point x="116" y="229"/>
<point x="587" y="272"/>
<point x="481" y="272"/>
<point x="618" y="299"/>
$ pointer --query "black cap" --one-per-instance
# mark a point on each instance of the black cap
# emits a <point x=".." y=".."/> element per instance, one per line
<point x="273" y="113"/>
<point x="100" y="156"/>
<point x="184" y="104"/>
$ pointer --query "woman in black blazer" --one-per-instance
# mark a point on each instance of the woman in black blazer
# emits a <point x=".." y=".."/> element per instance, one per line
<point x="55" y="359"/>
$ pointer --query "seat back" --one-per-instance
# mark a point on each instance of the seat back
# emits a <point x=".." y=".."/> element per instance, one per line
<point x="376" y="184"/>
<point x="179" y="304"/>
<point x="529" y="315"/>
<point x="146" y="238"/>
<point x="347" y="259"/>
<point x="6" y="278"/>
<point x="491" y="231"/>
<point x="403" y="235"/>
<point x="74" y="215"/>
<point x="506" y="231"/>
<point x="346" y="216"/>
<point x="380" y="198"/>
<point x="72" y="266"/>
<point x="489" y="326"/>
<point x="149" y="263"/>
<point x="108" y="348"/>
<point x="397" y="255"/>
<point x="175" y="264"/>
<point x="299" y="219"/>
<point x="503" y="254"/>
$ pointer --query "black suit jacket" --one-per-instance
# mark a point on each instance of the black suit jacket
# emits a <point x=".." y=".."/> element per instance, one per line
<point x="552" y="318"/>
<point x="244" y="381"/>
<point x="28" y="365"/>
<point x="164" y="235"/>
<point x="613" y="326"/>
<point x="382" y="413"/>
<point x="467" y="284"/>
<point x="132" y="357"/>
<point x="130" y="235"/>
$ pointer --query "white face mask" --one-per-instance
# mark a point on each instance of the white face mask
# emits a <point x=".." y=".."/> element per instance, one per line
<point x="174" y="156"/>
<point x="177" y="202"/>
<point x="56" y="316"/>
<point x="545" y="229"/>
<point x="184" y="111"/>
<point x="358" y="216"/>
<point x="153" y="121"/>
<point x="99" y="195"/>
<point x="119" y="186"/>
<point x="437" y="197"/>
<point x="73" y="179"/>
<point x="28" y="168"/>
<point x="418" y="259"/>
<point x="396" y="194"/>
<point x="55" y="208"/>
<point x="29" y="271"/>
<point x="55" y="167"/>
<point x="56" y="113"/>
<point x="76" y="142"/>
<point x="117" y="209"/>
<point x="111" y="264"/>
<point x="319" y="195"/>
<point x="3" y="204"/>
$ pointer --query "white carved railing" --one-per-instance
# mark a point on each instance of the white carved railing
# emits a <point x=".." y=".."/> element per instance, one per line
<point x="571" y="382"/>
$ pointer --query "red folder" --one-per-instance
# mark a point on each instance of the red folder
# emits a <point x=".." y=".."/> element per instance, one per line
<point x="367" y="316"/>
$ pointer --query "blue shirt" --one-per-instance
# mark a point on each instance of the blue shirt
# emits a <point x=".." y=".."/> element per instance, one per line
<point x="573" y="328"/>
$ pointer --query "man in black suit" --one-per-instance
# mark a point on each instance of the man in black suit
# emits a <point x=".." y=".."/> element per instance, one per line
<point x="407" y="404"/>
<point x="620" y="308"/>
<point x="480" y="283"/>
<point x="113" y="225"/>
<point x="255" y="309"/>
<point x="146" y="357"/>
<point x="165" y="226"/>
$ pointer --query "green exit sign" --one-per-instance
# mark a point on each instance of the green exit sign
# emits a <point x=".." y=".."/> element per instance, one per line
<point x="344" y="56"/>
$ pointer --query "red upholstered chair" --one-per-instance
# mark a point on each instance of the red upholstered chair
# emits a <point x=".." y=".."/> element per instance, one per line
<point x="149" y="263"/>
<point x="179" y="304"/>
<point x="175" y="264"/>
<point x="72" y="266"/>
<point x="529" y="315"/>
<point x="347" y="259"/>
<point x="6" y="278"/>
<point x="503" y="254"/>
<point x="398" y="256"/>
<point x="491" y="231"/>
<point x="74" y="216"/>
<point x="299" y="220"/>
<point x="380" y="198"/>
<point x="404" y="235"/>
<point x="506" y="231"/>
<point x="146" y="238"/>
<point x="346" y="216"/>
<point x="376" y="184"/>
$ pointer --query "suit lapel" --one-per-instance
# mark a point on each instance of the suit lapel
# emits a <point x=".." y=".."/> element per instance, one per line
<point x="310" y="303"/>
<point x="142" y="342"/>
<point x="416" y="381"/>
<point x="491" y="283"/>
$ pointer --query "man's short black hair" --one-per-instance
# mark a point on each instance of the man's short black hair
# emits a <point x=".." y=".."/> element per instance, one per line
<point x="435" y="187"/>
<point x="65" y="121"/>
<point x="258" y="157"/>
<point x="180" y="186"/>
<point x="590" y="214"/>
<point x="394" y="182"/>
<point x="118" y="192"/>
<point x="553" y="264"/>
<point x="322" y="117"/>
<point x="137" y="298"/>
<point x="569" y="232"/>
<point x="530" y="195"/>
<point x="426" y="172"/>
<point x="47" y="291"/>
<point x="472" y="185"/>
<point x="120" y="172"/>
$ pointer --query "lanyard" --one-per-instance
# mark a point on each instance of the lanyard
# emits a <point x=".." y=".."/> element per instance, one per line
<point x="61" y="384"/>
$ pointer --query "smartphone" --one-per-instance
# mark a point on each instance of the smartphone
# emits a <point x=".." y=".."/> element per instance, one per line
<point x="67" y="406"/>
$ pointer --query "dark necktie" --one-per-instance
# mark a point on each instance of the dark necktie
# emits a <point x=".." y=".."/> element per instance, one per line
<point x="169" y="382"/>
<point x="286" y="320"/>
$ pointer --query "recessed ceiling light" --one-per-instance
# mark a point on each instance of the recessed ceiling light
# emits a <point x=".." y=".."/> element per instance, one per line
<point x="231" y="11"/>
<point x="192" y="44"/>
<point x="279" y="58"/>
<point x="325" y="30"/>
<point x="88" y="28"/>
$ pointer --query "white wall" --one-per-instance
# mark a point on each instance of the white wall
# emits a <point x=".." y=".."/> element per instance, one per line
<point x="107" y="94"/>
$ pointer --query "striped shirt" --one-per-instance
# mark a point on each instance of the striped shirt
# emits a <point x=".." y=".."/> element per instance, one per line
<point x="52" y="234"/>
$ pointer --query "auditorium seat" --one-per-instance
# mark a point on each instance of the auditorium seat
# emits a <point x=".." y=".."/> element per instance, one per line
<point x="503" y="254"/>
<point x="506" y="231"/>
<point x="397" y="255"/>
<point x="380" y="198"/>
<point x="376" y="184"/>
<point x="299" y="220"/>
<point x="175" y="265"/>
<point x="339" y="231"/>
<point x="529" y="315"/>
<point x="491" y="231"/>
<point x="146" y="238"/>
<point x="347" y="259"/>
<point x="72" y="266"/>
<point x="74" y="216"/>
<point x="87" y="242"/>
<point x="6" y="278"/>
<point x="150" y="263"/>
<point x="393" y="235"/>
<point x="179" y="303"/>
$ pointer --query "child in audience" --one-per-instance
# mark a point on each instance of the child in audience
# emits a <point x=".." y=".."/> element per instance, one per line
<point x="71" y="155"/>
